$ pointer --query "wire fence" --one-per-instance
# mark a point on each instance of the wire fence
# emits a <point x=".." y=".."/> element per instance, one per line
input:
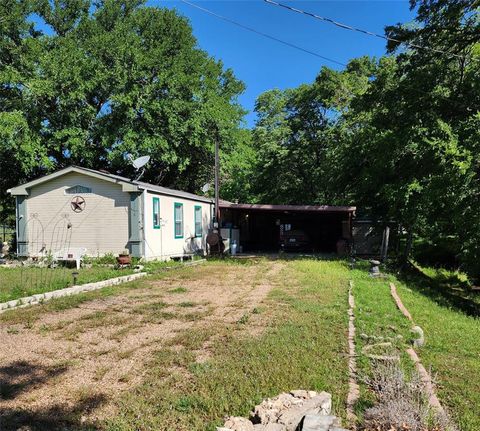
<point x="7" y="232"/>
<point x="42" y="269"/>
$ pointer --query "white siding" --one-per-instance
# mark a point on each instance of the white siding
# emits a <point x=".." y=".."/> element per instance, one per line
<point x="161" y="243"/>
<point x="102" y="227"/>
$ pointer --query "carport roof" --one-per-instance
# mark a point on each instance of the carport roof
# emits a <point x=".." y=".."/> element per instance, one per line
<point x="269" y="207"/>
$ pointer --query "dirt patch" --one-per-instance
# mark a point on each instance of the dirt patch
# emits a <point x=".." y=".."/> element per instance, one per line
<point x="72" y="363"/>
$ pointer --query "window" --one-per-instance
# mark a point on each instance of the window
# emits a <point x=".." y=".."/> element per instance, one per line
<point x="178" y="216"/>
<point x="78" y="190"/>
<point x="198" y="221"/>
<point x="156" y="213"/>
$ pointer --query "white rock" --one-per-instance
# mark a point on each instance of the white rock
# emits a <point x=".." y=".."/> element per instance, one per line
<point x="317" y="422"/>
<point x="300" y="393"/>
<point x="269" y="427"/>
<point x="320" y="404"/>
<point x="239" y="424"/>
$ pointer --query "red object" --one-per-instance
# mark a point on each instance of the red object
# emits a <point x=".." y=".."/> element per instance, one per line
<point x="124" y="259"/>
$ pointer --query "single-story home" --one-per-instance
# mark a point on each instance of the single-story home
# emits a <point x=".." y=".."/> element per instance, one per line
<point x="79" y="208"/>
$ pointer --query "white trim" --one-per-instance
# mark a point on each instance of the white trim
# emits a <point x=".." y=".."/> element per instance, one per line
<point x="22" y="189"/>
<point x="144" y="204"/>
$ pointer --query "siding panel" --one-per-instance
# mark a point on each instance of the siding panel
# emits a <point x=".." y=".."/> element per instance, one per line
<point x="102" y="227"/>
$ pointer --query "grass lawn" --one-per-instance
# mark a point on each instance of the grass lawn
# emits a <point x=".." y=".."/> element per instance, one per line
<point x="376" y="315"/>
<point x="25" y="281"/>
<point x="207" y="364"/>
<point x="19" y="282"/>
<point x="304" y="346"/>
<point x="452" y="349"/>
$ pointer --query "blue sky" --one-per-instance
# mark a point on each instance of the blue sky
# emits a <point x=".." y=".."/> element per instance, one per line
<point x="264" y="64"/>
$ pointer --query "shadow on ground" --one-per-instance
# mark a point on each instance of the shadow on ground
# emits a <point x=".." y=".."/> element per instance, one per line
<point x="453" y="295"/>
<point x="21" y="377"/>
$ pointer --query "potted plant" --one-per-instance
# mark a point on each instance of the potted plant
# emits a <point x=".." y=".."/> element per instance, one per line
<point x="124" y="258"/>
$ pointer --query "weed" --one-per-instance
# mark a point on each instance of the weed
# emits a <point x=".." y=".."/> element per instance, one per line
<point x="187" y="304"/>
<point x="244" y="319"/>
<point x="125" y="354"/>
<point x="12" y="330"/>
<point x="178" y="290"/>
<point x="100" y="372"/>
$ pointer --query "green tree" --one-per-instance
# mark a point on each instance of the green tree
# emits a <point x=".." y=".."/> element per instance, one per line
<point x="109" y="78"/>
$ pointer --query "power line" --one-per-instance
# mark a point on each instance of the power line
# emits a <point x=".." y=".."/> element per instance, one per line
<point x="291" y="45"/>
<point x="284" y="42"/>
<point x="359" y="30"/>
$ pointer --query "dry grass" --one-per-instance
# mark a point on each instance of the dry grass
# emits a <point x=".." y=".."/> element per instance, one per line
<point x="401" y="402"/>
<point x="105" y="342"/>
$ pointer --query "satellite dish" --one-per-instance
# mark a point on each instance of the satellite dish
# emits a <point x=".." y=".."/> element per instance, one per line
<point x="206" y="188"/>
<point x="140" y="162"/>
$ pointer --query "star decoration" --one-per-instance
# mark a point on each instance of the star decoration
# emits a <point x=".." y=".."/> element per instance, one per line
<point x="78" y="204"/>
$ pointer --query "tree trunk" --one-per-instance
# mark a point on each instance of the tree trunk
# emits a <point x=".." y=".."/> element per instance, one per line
<point x="408" y="249"/>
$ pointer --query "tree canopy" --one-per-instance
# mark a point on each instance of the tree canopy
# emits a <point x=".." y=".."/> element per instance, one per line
<point x="397" y="136"/>
<point x="108" y="78"/>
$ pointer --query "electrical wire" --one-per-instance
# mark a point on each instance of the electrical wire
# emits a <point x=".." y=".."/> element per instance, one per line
<point x="291" y="45"/>
<point x="359" y="30"/>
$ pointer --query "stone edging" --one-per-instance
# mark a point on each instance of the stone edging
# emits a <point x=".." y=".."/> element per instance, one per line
<point x="423" y="373"/>
<point x="39" y="298"/>
<point x="353" y="388"/>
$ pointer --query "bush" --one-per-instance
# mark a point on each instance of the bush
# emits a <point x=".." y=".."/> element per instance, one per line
<point x="401" y="404"/>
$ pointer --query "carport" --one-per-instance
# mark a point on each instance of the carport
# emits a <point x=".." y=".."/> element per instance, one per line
<point x="305" y="228"/>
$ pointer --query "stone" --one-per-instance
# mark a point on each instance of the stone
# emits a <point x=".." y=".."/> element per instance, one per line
<point x="317" y="422"/>
<point x="265" y="413"/>
<point x="300" y="393"/>
<point x="269" y="427"/>
<point x="318" y="405"/>
<point x="419" y="340"/>
<point x="312" y="394"/>
<point x="284" y="400"/>
<point x="223" y="429"/>
<point x="236" y="423"/>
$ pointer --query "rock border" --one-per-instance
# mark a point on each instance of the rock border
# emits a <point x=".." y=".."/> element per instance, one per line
<point x="40" y="298"/>
<point x="353" y="387"/>
<point x="423" y="373"/>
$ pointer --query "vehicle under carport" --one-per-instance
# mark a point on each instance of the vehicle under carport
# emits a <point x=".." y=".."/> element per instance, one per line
<point x="303" y="228"/>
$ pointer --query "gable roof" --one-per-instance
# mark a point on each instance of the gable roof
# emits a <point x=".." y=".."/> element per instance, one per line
<point x="127" y="184"/>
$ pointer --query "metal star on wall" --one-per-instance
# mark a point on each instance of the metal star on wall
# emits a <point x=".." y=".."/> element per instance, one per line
<point x="78" y="204"/>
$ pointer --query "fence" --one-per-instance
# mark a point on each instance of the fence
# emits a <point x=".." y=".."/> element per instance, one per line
<point x="7" y="232"/>
<point x="40" y="271"/>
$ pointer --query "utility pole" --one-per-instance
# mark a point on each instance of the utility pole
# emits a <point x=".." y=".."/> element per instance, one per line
<point x="217" y="179"/>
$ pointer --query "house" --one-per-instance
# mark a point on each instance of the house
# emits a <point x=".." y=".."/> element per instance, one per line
<point x="104" y="213"/>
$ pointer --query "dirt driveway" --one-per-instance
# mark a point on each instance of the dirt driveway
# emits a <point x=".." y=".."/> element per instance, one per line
<point x="75" y="361"/>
